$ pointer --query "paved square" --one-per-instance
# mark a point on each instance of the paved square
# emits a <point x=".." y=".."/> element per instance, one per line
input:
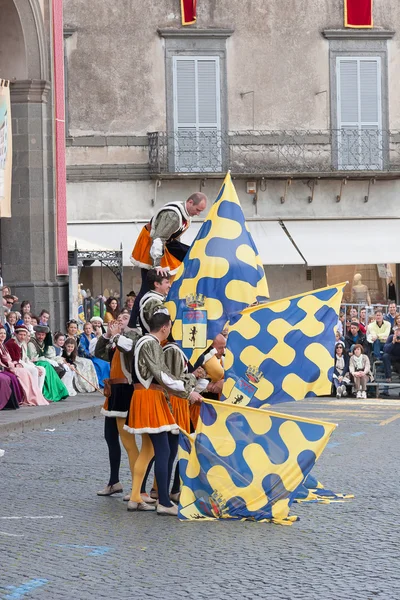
<point x="60" y="541"/>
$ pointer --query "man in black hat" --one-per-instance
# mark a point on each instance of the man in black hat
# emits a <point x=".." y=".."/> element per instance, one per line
<point x="42" y="352"/>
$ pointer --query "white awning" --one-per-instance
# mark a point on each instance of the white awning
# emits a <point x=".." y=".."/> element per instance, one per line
<point x="272" y="243"/>
<point x="346" y="242"/>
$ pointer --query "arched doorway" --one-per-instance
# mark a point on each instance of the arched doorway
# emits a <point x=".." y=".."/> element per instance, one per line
<point x="27" y="239"/>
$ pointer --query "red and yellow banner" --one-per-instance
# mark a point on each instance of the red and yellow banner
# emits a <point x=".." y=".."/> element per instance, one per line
<point x="358" y="14"/>
<point x="188" y="8"/>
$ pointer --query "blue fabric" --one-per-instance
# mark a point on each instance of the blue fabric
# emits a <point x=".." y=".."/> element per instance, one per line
<point x="102" y="367"/>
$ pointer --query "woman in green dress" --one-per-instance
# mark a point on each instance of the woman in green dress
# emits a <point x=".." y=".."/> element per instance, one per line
<point x="42" y="352"/>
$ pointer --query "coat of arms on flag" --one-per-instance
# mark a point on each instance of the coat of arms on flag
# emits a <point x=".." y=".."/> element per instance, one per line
<point x="194" y="323"/>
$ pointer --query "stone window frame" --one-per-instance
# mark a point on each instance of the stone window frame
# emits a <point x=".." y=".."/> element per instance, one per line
<point x="196" y="42"/>
<point x="359" y="43"/>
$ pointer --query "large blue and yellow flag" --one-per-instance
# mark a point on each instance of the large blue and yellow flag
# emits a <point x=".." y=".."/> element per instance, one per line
<point x="246" y="463"/>
<point x="283" y="350"/>
<point x="221" y="275"/>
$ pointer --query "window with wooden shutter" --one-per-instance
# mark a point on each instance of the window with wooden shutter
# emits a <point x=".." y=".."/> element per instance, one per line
<point x="197" y="114"/>
<point x="359" y="110"/>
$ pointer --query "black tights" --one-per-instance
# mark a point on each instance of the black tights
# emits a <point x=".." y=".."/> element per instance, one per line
<point x="114" y="449"/>
<point x="165" y="448"/>
<point x="144" y="288"/>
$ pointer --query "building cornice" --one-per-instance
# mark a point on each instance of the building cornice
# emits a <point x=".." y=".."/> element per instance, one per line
<point x="358" y="34"/>
<point x="30" y="90"/>
<point x="220" y="33"/>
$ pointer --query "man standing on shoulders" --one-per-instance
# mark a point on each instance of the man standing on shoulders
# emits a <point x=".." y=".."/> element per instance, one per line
<point x="377" y="333"/>
<point x="157" y="246"/>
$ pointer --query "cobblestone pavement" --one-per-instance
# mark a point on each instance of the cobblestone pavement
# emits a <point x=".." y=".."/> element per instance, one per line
<point x="63" y="542"/>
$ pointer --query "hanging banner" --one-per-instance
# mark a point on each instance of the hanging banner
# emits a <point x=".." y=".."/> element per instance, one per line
<point x="358" y="14"/>
<point x="188" y="8"/>
<point x="5" y="149"/>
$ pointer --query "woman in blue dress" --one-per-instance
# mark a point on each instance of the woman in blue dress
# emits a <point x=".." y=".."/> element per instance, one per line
<point x="87" y="344"/>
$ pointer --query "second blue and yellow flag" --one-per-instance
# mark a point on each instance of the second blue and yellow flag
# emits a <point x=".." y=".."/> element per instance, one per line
<point x="282" y="351"/>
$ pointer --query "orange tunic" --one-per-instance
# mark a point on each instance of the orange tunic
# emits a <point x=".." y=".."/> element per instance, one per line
<point x="149" y="411"/>
<point x="141" y="254"/>
<point x="180" y="409"/>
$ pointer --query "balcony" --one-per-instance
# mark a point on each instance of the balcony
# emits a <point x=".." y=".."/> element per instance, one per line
<point x="350" y="152"/>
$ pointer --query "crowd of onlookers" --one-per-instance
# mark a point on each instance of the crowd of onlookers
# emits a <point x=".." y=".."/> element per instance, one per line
<point x="363" y="337"/>
<point x="38" y="365"/>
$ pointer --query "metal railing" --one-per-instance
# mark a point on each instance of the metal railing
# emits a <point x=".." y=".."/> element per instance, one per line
<point x="269" y="152"/>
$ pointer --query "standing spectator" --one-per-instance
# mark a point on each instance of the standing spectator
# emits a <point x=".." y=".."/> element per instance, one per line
<point x="391" y="354"/>
<point x="44" y="318"/>
<point x="130" y="301"/>
<point x="390" y="316"/>
<point x="341" y="375"/>
<point x="25" y="307"/>
<point x="9" y="325"/>
<point x="112" y="310"/>
<point x="360" y="370"/>
<point x="377" y="333"/>
<point x="354" y="337"/>
<point x="85" y="350"/>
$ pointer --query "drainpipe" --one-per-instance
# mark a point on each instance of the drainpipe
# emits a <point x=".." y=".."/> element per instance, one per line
<point x="59" y="129"/>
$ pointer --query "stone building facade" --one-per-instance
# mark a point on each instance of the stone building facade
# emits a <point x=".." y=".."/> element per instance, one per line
<point x="304" y="112"/>
<point x="28" y="238"/>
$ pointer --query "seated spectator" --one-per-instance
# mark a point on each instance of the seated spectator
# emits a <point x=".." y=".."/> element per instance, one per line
<point x="363" y="321"/>
<point x="97" y="324"/>
<point x="9" y="325"/>
<point x="85" y="378"/>
<point x="396" y="321"/>
<point x="34" y="320"/>
<point x="43" y="354"/>
<point x="339" y="328"/>
<point x="354" y="337"/>
<point x="44" y="318"/>
<point x="341" y="376"/>
<point x="130" y="301"/>
<point x="391" y="354"/>
<point x="377" y="334"/>
<point x="112" y="310"/>
<point x="26" y="375"/>
<point x="25" y="307"/>
<point x="360" y="370"/>
<point x="338" y="337"/>
<point x="86" y="350"/>
<point x="72" y="329"/>
<point x="390" y="316"/>
<point x="18" y="346"/>
<point x="27" y="321"/>
<point x="11" y="392"/>
<point x="8" y="302"/>
<point x="58" y="343"/>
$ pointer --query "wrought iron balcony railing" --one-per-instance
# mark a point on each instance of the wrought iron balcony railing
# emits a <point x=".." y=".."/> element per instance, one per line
<point x="274" y="152"/>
